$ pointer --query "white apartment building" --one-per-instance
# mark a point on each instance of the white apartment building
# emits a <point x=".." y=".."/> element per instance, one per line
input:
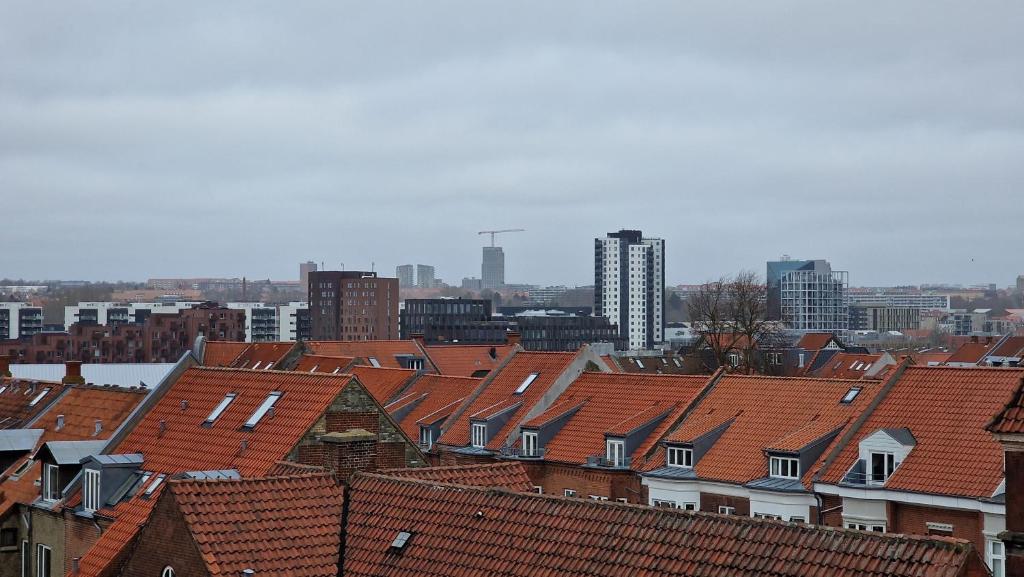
<point x="629" y="285"/>
<point x="18" y="319"/>
<point x="113" y="313"/>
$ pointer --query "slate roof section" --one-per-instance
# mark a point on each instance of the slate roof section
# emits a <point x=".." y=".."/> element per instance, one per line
<point x="323" y="364"/>
<point x="467" y="360"/>
<point x="384" y="384"/>
<point x="222" y="353"/>
<point x="384" y="351"/>
<point x="507" y="475"/>
<point x="461" y="531"/>
<point x="767" y="411"/>
<point x="432" y="395"/>
<point x="72" y="452"/>
<point x="946" y="410"/>
<point x="274" y="526"/>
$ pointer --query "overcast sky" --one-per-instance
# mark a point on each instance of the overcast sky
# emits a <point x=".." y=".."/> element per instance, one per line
<point x="144" y="139"/>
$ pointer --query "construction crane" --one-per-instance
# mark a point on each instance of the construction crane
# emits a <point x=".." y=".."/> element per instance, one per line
<point x="494" y="232"/>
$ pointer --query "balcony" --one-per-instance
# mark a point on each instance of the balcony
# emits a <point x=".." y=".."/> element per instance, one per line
<point x="520" y="453"/>
<point x="603" y="461"/>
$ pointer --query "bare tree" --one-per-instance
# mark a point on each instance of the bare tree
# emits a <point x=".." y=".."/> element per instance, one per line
<point x="731" y="317"/>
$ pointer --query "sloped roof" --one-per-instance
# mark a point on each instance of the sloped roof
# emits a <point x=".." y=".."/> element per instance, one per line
<point x="262" y="356"/>
<point x="457" y="531"/>
<point x="501" y="390"/>
<point x="1010" y="420"/>
<point x="815" y="341"/>
<point x="970" y="353"/>
<point x="508" y="475"/>
<point x="119" y="374"/>
<point x="383" y="351"/>
<point x="322" y="364"/>
<point x="946" y="410"/>
<point x="1010" y="347"/>
<point x="432" y="393"/>
<point x="847" y="366"/>
<point x="383" y="383"/>
<point x="465" y="360"/>
<point x="764" y="412"/>
<point x="222" y="353"/>
<point x="16" y="400"/>
<point x="274" y="526"/>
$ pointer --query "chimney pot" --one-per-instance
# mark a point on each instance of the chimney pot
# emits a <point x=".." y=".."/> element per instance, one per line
<point x="75" y="565"/>
<point x="184" y="404"/>
<point x="73" y="373"/>
<point x="98" y="427"/>
<point x="163" y="427"/>
<point x="248" y="572"/>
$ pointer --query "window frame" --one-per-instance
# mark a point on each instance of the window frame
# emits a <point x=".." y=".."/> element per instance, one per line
<point x="663" y="503"/>
<point x="40" y="549"/>
<point x="261" y="411"/>
<point x="991" y="557"/>
<point x="478" y="435"/>
<point x="220" y="408"/>
<point x="531" y="440"/>
<point x="428" y="434"/>
<point x="726" y="510"/>
<point x="569" y="492"/>
<point x="49" y="491"/>
<point x="888" y="466"/>
<point x="168" y="571"/>
<point x="791" y="464"/>
<point x="613" y="446"/>
<point x="685" y="451"/>
<point x="871" y="527"/>
<point x="91" y="490"/>
<point x="530" y="378"/>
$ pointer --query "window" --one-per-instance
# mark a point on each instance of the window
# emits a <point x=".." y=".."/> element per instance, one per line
<point x="39" y="397"/>
<point x="725" y="510"/>
<point x="26" y="559"/>
<point x="153" y="486"/>
<point x="616" y="453"/>
<point x="42" y="561"/>
<point x="598" y="498"/>
<point x="51" y="482"/>
<point x="639" y="363"/>
<point x="622" y="500"/>
<point x="784" y="468"/>
<point x="538" y="489"/>
<point x="216" y="412"/>
<point x="866" y="527"/>
<point x="680" y="457"/>
<point x="530" y="444"/>
<point x="374" y="362"/>
<point x="996" y="558"/>
<point x="797" y="520"/>
<point x="24" y="467"/>
<point x="734" y="359"/>
<point x="689" y="506"/>
<point x="569" y="493"/>
<point x="426" y="437"/>
<point x="167" y="572"/>
<point x="767" y="516"/>
<point x="882" y="466"/>
<point x="91" y="490"/>
<point x="850" y="395"/>
<point x="526" y="383"/>
<point x="267" y="404"/>
<point x="9" y="537"/>
<point x="663" y="503"/>
<point x="479" y="435"/>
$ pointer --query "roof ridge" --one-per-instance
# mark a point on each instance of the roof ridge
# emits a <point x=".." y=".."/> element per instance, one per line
<point x="310" y="475"/>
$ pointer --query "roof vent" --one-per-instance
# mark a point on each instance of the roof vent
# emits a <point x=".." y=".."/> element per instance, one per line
<point x="75" y="565"/>
<point x="97" y="427"/>
<point x="400" y="540"/>
<point x="60" y="422"/>
<point x="270" y="413"/>
<point x="244" y="446"/>
<point x="248" y="572"/>
<point x="163" y="428"/>
<point x="184" y="405"/>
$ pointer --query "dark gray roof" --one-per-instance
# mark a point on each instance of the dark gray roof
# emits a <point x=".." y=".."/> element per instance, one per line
<point x="72" y="452"/>
<point x="472" y="451"/>
<point x="774" y="484"/>
<point x="122" y="374"/>
<point x="19" y="439"/>
<point x="208" y="475"/>
<point x="672" y="473"/>
<point x="117" y="460"/>
<point x="902" y="435"/>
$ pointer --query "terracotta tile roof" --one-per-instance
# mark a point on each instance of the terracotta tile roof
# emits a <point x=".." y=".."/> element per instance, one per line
<point x="508" y="475"/>
<point x="800" y="438"/>
<point x="612" y="401"/>
<point x="563" y="405"/>
<point x="946" y="410"/>
<point x="467" y="360"/>
<point x="501" y="390"/>
<point x="847" y="366"/>
<point x="728" y="341"/>
<point x="383" y="383"/>
<point x="766" y="411"/>
<point x="929" y="359"/>
<point x="433" y="397"/>
<point x="609" y="361"/>
<point x="814" y="341"/>
<point x="262" y="356"/>
<point x="1010" y="421"/>
<point x="460" y="531"/>
<point x="186" y="445"/>
<point x="275" y="526"/>
<point x="1010" y="347"/>
<point x="323" y="364"/>
<point x="637" y="420"/>
<point x="670" y="364"/>
<point x="222" y="353"/>
<point x="288" y="468"/>
<point x="16" y="400"/>
<point x="383" y="351"/>
<point x="970" y="353"/>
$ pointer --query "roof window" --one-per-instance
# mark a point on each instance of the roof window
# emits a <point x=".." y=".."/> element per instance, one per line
<point x="374" y="362"/>
<point x="256" y="365"/>
<point x="154" y="485"/>
<point x="639" y="363"/>
<point x="216" y="412"/>
<point x="850" y="395"/>
<point x="526" y="383"/>
<point x="3" y="388"/>
<point x="265" y="406"/>
<point x="400" y="540"/>
<point x="39" y="397"/>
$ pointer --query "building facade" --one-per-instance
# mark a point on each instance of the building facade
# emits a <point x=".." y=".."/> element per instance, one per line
<point x="18" y="320"/>
<point x="451" y="320"/>
<point x="566" y="332"/>
<point x="352" y="306"/>
<point x="884" y="318"/>
<point x="811" y="296"/>
<point x="629" y="285"/>
<point x="425" y="276"/>
<point x="492" y="270"/>
<point x="304" y="269"/>
<point x="405" y="274"/>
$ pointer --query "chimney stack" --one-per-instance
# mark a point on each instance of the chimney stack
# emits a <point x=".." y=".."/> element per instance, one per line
<point x="5" y="365"/>
<point x="513" y="338"/>
<point x="73" y="373"/>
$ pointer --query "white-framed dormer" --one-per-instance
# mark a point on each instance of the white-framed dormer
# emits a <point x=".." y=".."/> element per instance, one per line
<point x="882" y="452"/>
<point x="51" y="482"/>
<point x="615" y="452"/>
<point x="90" y="490"/>
<point x="679" y="457"/>
<point x="783" y="467"/>
<point x="478" y="435"/>
<point x="426" y="437"/>
<point x="531" y="444"/>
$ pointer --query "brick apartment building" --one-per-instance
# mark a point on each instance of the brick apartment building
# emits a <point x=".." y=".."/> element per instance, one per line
<point x="352" y="306"/>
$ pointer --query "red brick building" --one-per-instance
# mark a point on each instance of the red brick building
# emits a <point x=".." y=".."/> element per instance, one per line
<point x="352" y="306"/>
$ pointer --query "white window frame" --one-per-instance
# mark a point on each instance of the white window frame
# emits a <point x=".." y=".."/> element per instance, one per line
<point x="865" y="527"/>
<point x="767" y="516"/>
<point x="426" y="437"/>
<point x="569" y="492"/>
<point x="526" y="383"/>
<point x="889" y="467"/>
<point x="220" y="408"/>
<point x="992" y="557"/>
<point x="663" y="503"/>
<point x="268" y="403"/>
<point x="26" y="559"/>
<point x="40" y="550"/>
<point x="615" y="452"/>
<point x="726" y="510"/>
<point x="167" y="572"/>
<point x="598" y="497"/>
<point x="478" y="435"/>
<point x="689" y="506"/>
<point x="90" y="490"/>
<point x="530" y="440"/>
<point x="797" y="519"/>
<point x="538" y="489"/>
<point x="51" y="485"/>
<point x="784" y="467"/>
<point x="679" y="457"/>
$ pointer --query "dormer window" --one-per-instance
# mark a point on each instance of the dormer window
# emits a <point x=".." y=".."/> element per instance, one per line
<point x="882" y="467"/>
<point x="263" y="409"/>
<point x="426" y="437"/>
<point x="91" y="490"/>
<point x="530" y="444"/>
<point x="216" y="412"/>
<point x="680" y="457"/>
<point x="51" y="482"/>
<point x="526" y="383"/>
<point x="615" y="452"/>
<point x="478" y="435"/>
<point x="784" y="467"/>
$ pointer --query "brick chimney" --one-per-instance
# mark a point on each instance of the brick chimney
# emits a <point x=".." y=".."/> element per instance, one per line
<point x="419" y="338"/>
<point x="5" y="365"/>
<point x="1008" y="428"/>
<point x="513" y="338"/>
<point x="73" y="373"/>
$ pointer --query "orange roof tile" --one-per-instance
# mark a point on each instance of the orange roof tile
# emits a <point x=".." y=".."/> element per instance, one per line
<point x="970" y="353"/>
<point x="457" y="531"/>
<point x="322" y="364"/>
<point x="18" y="403"/>
<point x="508" y="475"/>
<point x="262" y="356"/>
<point x="500" y="389"/>
<point x="1010" y="347"/>
<point x="946" y="410"/>
<point x="383" y="351"/>
<point x="274" y="526"/>
<point x="432" y="395"/>
<point x="1010" y="421"/>
<point x="766" y="411"/>
<point x="847" y="366"/>
<point x="467" y="360"/>
<point x="608" y="402"/>
<point x="383" y="383"/>
<point x="222" y="353"/>
<point x="814" y="341"/>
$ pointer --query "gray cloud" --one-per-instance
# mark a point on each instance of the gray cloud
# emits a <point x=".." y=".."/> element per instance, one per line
<point x="188" y="139"/>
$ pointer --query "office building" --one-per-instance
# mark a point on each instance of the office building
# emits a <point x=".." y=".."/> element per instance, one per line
<point x="472" y="284"/>
<point x="899" y="297"/>
<point x="352" y="306"/>
<point x="492" y="271"/>
<point x="883" y="319"/>
<point x="404" y="272"/>
<point x="466" y="321"/>
<point x="425" y="276"/>
<point x="304" y="269"/>
<point x="629" y="285"/>
<point x="19" y="320"/>
<point x="554" y="331"/>
<point x="808" y="296"/>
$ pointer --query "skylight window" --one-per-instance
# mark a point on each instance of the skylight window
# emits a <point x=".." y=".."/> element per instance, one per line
<point x="639" y="363"/>
<point x="526" y="383"/>
<point x="374" y="362"/>
<point x="256" y="365"/>
<point x="220" y="408"/>
<point x="264" y="407"/>
<point x="3" y="388"/>
<point x="400" y="540"/>
<point x="153" y="486"/>
<point x="39" y="397"/>
<point x="850" y="395"/>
